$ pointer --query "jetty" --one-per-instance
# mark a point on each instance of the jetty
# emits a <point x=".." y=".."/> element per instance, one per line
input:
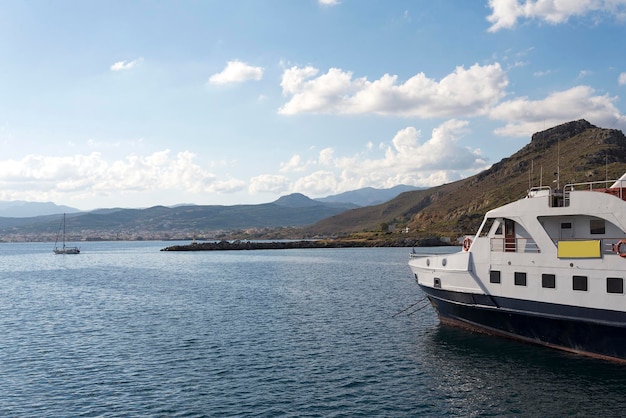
<point x="286" y="245"/>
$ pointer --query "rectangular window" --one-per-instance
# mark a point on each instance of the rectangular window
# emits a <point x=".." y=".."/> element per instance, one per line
<point x="548" y="281"/>
<point x="520" y="279"/>
<point x="579" y="283"/>
<point x="614" y="285"/>
<point x="566" y="225"/>
<point x="596" y="226"/>
<point x="494" y="276"/>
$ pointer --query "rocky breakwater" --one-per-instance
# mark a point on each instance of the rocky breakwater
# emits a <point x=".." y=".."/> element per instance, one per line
<point x="286" y="245"/>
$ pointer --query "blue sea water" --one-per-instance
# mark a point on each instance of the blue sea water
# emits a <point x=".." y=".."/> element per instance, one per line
<point x="126" y="330"/>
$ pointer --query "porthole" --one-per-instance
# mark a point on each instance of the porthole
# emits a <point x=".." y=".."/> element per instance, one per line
<point x="428" y="261"/>
<point x="444" y="262"/>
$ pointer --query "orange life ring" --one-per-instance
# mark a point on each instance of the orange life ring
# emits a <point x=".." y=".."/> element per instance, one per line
<point x="467" y="242"/>
<point x="618" y="248"/>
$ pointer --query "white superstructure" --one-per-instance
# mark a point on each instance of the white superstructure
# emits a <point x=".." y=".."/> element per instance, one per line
<point x="555" y="257"/>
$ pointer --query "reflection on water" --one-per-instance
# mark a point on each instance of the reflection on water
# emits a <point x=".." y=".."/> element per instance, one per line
<point x="482" y="375"/>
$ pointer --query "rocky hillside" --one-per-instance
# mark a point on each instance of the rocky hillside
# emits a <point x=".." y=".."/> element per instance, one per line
<point x="579" y="150"/>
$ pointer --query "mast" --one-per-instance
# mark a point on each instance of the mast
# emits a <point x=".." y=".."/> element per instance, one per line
<point x="63" y="230"/>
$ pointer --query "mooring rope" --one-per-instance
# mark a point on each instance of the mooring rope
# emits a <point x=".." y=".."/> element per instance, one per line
<point x="409" y="307"/>
<point x="420" y="308"/>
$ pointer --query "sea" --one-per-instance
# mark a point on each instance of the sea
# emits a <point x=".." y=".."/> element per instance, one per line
<point x="126" y="330"/>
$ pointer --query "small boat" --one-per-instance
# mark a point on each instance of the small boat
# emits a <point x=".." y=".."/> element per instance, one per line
<point x="547" y="269"/>
<point x="64" y="249"/>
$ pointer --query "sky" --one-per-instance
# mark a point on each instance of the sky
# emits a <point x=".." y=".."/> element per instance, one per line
<point x="137" y="103"/>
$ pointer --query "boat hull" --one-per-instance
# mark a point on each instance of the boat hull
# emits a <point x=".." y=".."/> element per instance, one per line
<point x="592" y="332"/>
<point x="68" y="250"/>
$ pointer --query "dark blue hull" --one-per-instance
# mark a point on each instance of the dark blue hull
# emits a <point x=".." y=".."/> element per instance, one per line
<point x="593" y="332"/>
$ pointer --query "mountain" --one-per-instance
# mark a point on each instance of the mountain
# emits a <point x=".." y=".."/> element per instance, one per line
<point x="23" y="209"/>
<point x="578" y="150"/>
<point x="162" y="222"/>
<point x="368" y="196"/>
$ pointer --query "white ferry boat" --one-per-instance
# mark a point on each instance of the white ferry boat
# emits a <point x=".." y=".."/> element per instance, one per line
<point x="547" y="269"/>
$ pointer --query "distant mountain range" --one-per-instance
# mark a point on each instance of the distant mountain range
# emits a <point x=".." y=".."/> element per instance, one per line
<point x="582" y="152"/>
<point x="160" y="222"/>
<point x="361" y="197"/>
<point x="24" y="209"/>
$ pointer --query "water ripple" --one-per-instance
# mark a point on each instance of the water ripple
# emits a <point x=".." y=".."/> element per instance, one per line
<point x="129" y="331"/>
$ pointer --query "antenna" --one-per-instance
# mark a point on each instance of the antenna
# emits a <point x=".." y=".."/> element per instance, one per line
<point x="558" y="162"/>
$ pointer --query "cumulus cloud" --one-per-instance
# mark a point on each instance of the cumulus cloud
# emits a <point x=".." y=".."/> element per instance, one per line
<point x="406" y="159"/>
<point x="294" y="164"/>
<point x="464" y="92"/>
<point x="506" y="13"/>
<point x="621" y="79"/>
<point x="530" y="116"/>
<point x="125" y="65"/>
<point x="86" y="175"/>
<point x="328" y="2"/>
<point x="237" y="72"/>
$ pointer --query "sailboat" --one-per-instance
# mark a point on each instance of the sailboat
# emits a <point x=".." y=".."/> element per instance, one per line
<point x="64" y="249"/>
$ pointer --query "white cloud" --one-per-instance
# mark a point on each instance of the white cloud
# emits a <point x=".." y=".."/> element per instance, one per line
<point x="543" y="73"/>
<point x="125" y="65"/>
<point x="326" y="156"/>
<point x="294" y="164"/>
<point x="465" y="92"/>
<point x="81" y="176"/>
<point x="237" y="72"/>
<point x="328" y="2"/>
<point x="530" y="116"/>
<point x="506" y="13"/>
<point x="406" y="159"/>
<point x="317" y="184"/>
<point x="621" y="80"/>
<point x="268" y="183"/>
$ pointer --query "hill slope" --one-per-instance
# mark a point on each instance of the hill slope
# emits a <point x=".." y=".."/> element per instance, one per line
<point x="581" y="151"/>
<point x="368" y="196"/>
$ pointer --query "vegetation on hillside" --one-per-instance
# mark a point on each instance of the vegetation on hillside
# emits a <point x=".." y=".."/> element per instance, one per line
<point x="579" y="151"/>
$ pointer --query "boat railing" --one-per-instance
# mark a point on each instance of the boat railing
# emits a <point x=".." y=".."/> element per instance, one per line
<point x="514" y="245"/>
<point x="614" y="187"/>
<point x="609" y="245"/>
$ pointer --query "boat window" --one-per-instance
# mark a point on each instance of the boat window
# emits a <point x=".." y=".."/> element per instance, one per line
<point x="548" y="281"/>
<point x="579" y="283"/>
<point x="520" y="279"/>
<point x="596" y="226"/>
<point x="499" y="229"/>
<point x="484" y="231"/>
<point x="494" y="276"/>
<point x="437" y="283"/>
<point x="567" y="230"/>
<point x="614" y="285"/>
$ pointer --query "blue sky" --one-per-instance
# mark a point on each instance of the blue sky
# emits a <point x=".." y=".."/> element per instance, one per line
<point x="139" y="103"/>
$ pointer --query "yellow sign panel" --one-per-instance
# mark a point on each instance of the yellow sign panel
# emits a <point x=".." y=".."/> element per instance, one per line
<point x="579" y="249"/>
